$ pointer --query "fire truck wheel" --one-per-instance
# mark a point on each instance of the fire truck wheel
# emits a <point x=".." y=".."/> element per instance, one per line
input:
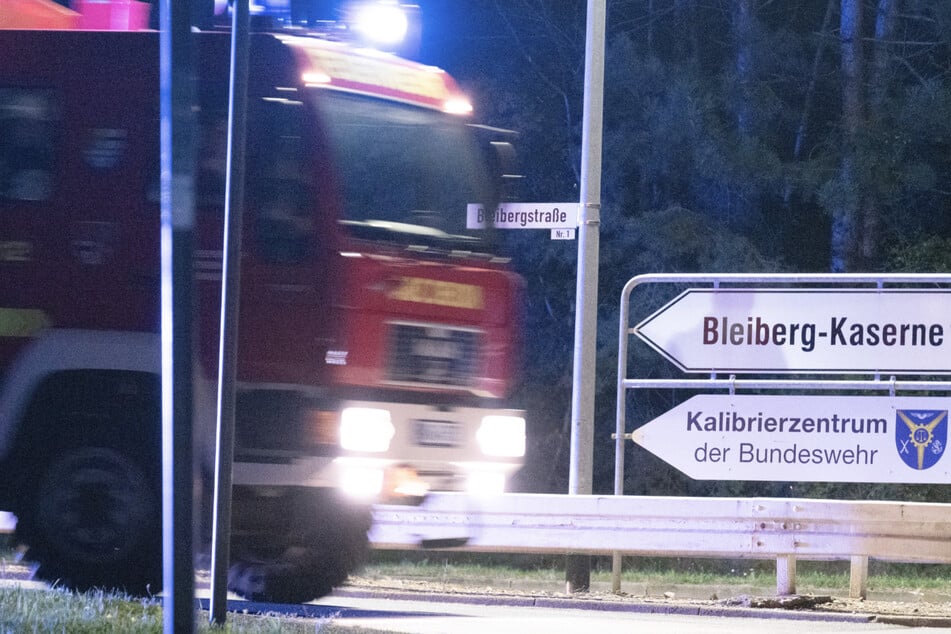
<point x="286" y="579"/>
<point x="310" y="570"/>
<point x="94" y="521"/>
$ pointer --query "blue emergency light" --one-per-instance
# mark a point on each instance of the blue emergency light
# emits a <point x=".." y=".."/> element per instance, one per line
<point x="384" y="25"/>
<point x="379" y="24"/>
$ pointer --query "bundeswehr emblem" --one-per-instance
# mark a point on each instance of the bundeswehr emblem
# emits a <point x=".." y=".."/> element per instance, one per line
<point x="921" y="436"/>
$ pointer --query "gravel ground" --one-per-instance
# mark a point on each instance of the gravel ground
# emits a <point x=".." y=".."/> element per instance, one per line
<point x="907" y="608"/>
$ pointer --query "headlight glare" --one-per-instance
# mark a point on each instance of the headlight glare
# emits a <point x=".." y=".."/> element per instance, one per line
<point x="366" y="429"/>
<point x="502" y="436"/>
<point x="362" y="482"/>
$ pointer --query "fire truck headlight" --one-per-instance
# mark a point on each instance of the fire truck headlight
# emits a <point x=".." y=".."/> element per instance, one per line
<point x="365" y="429"/>
<point x="502" y="436"/>
<point x="457" y="105"/>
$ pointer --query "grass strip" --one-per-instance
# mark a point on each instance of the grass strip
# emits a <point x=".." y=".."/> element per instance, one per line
<point x="53" y="611"/>
<point x="653" y="571"/>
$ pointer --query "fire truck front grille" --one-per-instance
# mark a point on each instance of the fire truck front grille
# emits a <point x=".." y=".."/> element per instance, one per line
<point x="433" y="355"/>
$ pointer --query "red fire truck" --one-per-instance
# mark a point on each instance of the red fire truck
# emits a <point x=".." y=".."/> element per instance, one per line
<point x="378" y="337"/>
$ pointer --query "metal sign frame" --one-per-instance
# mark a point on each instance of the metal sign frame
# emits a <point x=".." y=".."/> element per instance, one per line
<point x="847" y="281"/>
<point x="875" y="382"/>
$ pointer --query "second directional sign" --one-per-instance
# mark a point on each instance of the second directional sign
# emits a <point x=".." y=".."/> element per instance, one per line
<point x="804" y="330"/>
<point x="804" y="438"/>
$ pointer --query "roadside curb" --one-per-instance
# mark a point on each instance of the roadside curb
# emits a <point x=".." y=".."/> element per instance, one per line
<point x="639" y="606"/>
<point x="914" y="621"/>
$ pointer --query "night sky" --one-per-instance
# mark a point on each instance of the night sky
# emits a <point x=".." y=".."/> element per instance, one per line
<point x="460" y="35"/>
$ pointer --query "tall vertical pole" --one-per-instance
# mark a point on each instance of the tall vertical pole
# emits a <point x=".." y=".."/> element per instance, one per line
<point x="230" y="294"/>
<point x="589" y="220"/>
<point x="176" y="92"/>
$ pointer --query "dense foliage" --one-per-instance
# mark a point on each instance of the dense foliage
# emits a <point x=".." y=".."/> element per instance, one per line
<point x="808" y="135"/>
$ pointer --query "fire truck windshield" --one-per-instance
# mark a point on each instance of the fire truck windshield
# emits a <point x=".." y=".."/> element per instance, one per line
<point x="404" y="165"/>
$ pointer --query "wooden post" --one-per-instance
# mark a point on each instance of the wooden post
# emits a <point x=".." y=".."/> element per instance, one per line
<point x="858" y="577"/>
<point x="785" y="575"/>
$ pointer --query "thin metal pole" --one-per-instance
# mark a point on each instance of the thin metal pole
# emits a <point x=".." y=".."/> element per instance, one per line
<point x="620" y="431"/>
<point x="230" y="295"/>
<point x="177" y="222"/>
<point x="586" y="302"/>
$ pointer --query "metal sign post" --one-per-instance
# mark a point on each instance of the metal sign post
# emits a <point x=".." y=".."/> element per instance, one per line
<point x="230" y="293"/>
<point x="177" y="223"/>
<point x="581" y="466"/>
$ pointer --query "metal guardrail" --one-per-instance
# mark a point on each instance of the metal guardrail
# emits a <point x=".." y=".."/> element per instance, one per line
<point x="726" y="528"/>
<point x="755" y="528"/>
<point x="874" y="381"/>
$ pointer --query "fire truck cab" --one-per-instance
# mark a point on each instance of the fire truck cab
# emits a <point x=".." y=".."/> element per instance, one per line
<point x="378" y="337"/>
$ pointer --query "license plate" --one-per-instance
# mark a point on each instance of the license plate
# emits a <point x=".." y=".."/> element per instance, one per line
<point x="438" y="433"/>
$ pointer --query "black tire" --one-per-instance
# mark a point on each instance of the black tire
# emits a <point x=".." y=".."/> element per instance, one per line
<point x="292" y="577"/>
<point x="94" y="521"/>
<point x="320" y="556"/>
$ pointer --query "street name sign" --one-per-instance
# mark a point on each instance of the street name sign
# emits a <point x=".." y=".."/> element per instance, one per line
<point x="784" y="438"/>
<point x="896" y="331"/>
<point x="523" y="216"/>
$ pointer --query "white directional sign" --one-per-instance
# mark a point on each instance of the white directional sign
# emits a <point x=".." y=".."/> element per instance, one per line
<point x="804" y="330"/>
<point x="523" y="216"/>
<point x="804" y="438"/>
